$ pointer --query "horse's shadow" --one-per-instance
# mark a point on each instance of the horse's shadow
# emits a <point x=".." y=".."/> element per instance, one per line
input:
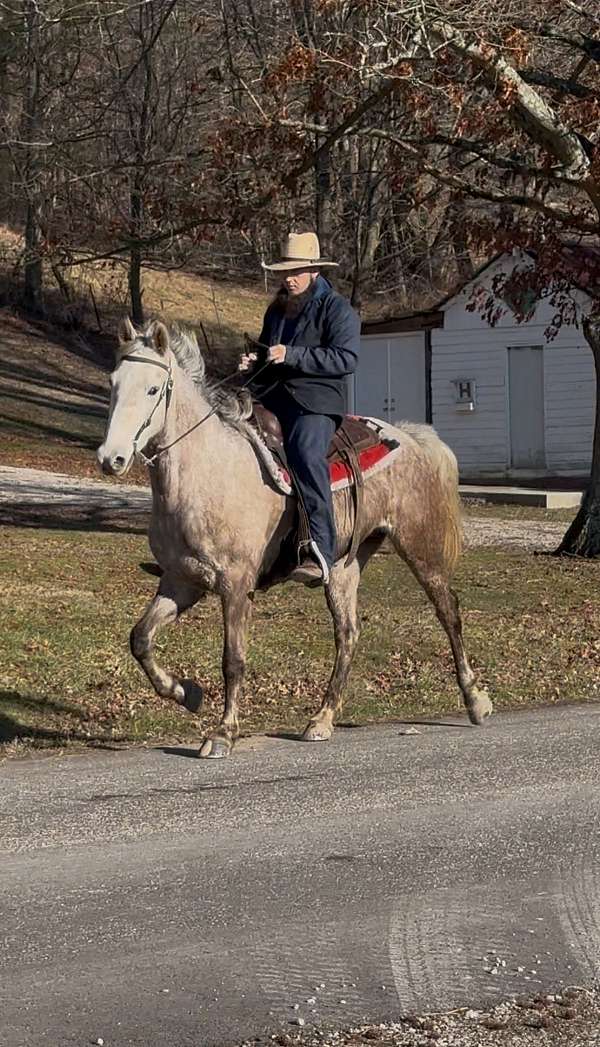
<point x="70" y="515"/>
<point x="350" y="725"/>
<point x="178" y="750"/>
<point x="287" y="735"/>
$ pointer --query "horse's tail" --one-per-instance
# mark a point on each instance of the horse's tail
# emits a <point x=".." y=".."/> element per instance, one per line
<point x="453" y="534"/>
<point x="445" y="468"/>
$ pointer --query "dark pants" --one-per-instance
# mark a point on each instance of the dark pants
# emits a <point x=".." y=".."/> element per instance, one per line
<point x="307" y="438"/>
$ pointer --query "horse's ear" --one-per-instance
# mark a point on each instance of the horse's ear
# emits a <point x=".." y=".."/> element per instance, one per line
<point x="159" y="337"/>
<point x="127" y="332"/>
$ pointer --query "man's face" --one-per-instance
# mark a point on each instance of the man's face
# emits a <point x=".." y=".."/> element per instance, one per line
<point x="297" y="281"/>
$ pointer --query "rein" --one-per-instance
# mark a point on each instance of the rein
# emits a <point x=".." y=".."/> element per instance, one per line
<point x="166" y="392"/>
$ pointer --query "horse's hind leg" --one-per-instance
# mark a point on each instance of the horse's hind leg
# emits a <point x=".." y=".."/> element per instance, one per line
<point x="341" y="595"/>
<point x="445" y="601"/>
<point x="173" y="597"/>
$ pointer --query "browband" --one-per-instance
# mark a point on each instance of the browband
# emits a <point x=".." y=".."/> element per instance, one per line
<point x="146" y="360"/>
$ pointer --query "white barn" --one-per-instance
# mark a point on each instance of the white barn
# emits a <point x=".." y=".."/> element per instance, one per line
<point x="509" y="402"/>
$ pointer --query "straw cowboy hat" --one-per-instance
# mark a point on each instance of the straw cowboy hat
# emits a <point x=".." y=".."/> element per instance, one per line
<point x="300" y="251"/>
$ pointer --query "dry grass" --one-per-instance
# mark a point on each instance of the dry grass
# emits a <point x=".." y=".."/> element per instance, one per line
<point x="69" y="599"/>
<point x="54" y="388"/>
<point x="221" y="310"/>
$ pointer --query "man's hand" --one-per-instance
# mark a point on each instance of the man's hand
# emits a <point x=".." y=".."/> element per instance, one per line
<point x="246" y="361"/>
<point x="276" y="354"/>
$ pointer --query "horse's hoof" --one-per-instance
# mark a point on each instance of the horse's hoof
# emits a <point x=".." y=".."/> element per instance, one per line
<point x="215" y="749"/>
<point x="317" y="732"/>
<point x="193" y="696"/>
<point x="479" y="707"/>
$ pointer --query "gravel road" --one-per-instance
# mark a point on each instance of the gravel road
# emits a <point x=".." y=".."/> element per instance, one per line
<point x="151" y="899"/>
<point x="28" y="495"/>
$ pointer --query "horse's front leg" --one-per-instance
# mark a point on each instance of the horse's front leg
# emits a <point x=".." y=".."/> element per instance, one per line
<point x="237" y="608"/>
<point x="173" y="597"/>
<point x="342" y="595"/>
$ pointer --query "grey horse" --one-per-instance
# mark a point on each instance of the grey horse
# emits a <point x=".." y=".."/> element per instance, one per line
<point x="219" y="517"/>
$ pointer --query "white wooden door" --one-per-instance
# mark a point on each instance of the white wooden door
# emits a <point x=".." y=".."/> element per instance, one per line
<point x="390" y="381"/>
<point x="526" y="407"/>
<point x="408" y="397"/>
<point x="371" y="380"/>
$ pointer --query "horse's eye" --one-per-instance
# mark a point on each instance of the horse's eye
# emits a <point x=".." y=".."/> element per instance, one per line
<point x="153" y="391"/>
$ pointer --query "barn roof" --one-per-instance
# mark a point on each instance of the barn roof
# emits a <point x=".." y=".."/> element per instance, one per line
<point x="424" y="321"/>
<point x="581" y="267"/>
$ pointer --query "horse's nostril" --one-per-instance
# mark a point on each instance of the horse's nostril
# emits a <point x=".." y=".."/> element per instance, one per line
<point x="114" y="464"/>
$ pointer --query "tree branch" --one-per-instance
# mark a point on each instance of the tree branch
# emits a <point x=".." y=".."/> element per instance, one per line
<point x="529" y="109"/>
<point x="550" y="210"/>
<point x="142" y="242"/>
<point x="332" y="136"/>
<point x="557" y="83"/>
<point x="580" y="42"/>
<point x="517" y="166"/>
<point x="582" y="11"/>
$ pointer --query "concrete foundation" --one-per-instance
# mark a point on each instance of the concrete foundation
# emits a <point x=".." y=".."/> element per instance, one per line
<point x="523" y="496"/>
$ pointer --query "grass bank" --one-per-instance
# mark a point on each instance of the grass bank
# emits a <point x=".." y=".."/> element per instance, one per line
<point x="54" y="388"/>
<point x="69" y="598"/>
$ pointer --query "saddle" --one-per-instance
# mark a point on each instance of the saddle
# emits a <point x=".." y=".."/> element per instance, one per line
<point x="349" y="441"/>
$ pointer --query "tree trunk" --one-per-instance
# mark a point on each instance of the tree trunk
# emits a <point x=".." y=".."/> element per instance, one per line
<point x="583" y="536"/>
<point x="5" y="170"/>
<point x="457" y="218"/>
<point x="135" y="258"/>
<point x="367" y="226"/>
<point x="140" y="116"/>
<point x="323" y="202"/>
<point x="457" y="213"/>
<point x="33" y="260"/>
<point x="356" y="292"/>
<point x="32" y="167"/>
<point x="395" y="246"/>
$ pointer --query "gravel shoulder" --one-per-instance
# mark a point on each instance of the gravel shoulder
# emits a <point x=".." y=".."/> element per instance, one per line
<point x="567" y="1019"/>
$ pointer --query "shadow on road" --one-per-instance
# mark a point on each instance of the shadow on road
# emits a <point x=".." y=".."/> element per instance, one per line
<point x="178" y="750"/>
<point x="349" y="725"/>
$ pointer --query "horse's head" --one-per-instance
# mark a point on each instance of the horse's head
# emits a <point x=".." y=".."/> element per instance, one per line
<point x="140" y="389"/>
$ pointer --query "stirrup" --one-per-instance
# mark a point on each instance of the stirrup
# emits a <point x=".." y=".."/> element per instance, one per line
<point x="317" y="555"/>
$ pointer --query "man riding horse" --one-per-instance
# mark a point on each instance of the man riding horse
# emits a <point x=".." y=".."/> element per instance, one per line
<point x="313" y="335"/>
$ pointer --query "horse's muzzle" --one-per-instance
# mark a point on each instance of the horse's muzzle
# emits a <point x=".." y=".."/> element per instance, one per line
<point x="113" y="464"/>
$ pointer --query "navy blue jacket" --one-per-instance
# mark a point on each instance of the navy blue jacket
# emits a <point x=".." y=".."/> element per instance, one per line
<point x="323" y="350"/>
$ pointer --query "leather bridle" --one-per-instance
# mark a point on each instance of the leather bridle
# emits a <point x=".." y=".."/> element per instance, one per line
<point x="166" y="393"/>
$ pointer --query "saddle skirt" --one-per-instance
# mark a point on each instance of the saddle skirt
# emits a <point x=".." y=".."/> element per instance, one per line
<point x="359" y="446"/>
